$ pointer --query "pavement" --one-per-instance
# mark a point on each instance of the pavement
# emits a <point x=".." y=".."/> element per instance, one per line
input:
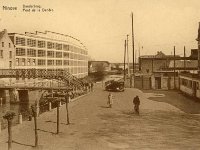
<point x="94" y="126"/>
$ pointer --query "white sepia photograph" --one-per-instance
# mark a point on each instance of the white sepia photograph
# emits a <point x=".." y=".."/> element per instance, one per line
<point x="99" y="74"/>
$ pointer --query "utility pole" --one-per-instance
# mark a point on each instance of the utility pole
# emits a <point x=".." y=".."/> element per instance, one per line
<point x="139" y="49"/>
<point x="128" y="56"/>
<point x="198" y="39"/>
<point x="184" y="60"/>
<point x="135" y="57"/>
<point x="133" y="42"/>
<point x="125" y="61"/>
<point x="174" y="68"/>
<point x="138" y="54"/>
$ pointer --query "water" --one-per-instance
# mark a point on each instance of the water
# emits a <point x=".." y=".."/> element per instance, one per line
<point x="24" y="109"/>
<point x="17" y="108"/>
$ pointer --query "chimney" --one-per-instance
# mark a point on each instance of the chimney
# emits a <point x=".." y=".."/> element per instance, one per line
<point x="5" y="31"/>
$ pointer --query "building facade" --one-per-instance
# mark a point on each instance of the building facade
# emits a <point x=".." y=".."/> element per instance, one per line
<point x="150" y="63"/>
<point x="190" y="81"/>
<point x="48" y="50"/>
<point x="6" y="51"/>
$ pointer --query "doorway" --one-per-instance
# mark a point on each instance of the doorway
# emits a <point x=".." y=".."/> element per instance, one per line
<point x="158" y="82"/>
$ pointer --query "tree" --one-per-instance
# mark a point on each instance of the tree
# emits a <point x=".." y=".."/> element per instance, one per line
<point x="100" y="71"/>
<point x="9" y="117"/>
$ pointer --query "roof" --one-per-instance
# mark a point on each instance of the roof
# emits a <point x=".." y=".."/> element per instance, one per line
<point x="159" y="54"/>
<point x="52" y="35"/>
<point x="95" y="62"/>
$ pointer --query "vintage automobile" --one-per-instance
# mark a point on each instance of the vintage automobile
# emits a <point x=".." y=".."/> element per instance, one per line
<point x="113" y="85"/>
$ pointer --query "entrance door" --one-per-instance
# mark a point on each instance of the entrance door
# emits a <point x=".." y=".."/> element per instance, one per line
<point x="158" y="82"/>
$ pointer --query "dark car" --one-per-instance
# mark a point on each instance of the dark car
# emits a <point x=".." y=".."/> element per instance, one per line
<point x="113" y="85"/>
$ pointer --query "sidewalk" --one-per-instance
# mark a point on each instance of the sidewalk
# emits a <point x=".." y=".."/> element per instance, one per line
<point x="96" y="127"/>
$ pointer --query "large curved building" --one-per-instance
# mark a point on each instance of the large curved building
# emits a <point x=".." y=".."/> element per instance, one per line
<point x="44" y="50"/>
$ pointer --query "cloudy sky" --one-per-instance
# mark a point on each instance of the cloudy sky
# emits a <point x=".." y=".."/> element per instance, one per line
<point x="102" y="25"/>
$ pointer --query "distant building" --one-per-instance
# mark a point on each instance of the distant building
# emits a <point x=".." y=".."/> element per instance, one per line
<point x="190" y="81"/>
<point x="181" y="65"/>
<point x="150" y="63"/>
<point x="95" y="65"/>
<point x="157" y="71"/>
<point x="119" y="66"/>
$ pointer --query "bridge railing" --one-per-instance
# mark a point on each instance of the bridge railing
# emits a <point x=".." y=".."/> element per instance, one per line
<point x="58" y="74"/>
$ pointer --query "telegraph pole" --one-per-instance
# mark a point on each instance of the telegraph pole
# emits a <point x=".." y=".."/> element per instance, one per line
<point x="174" y="68"/>
<point x="128" y="56"/>
<point x="133" y="42"/>
<point x="135" y="57"/>
<point x="125" y="61"/>
<point x="184" y="60"/>
<point x="198" y="39"/>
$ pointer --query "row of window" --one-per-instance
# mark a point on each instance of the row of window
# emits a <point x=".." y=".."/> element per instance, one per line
<point x="76" y="70"/>
<point x="51" y="54"/>
<point x="189" y="84"/>
<point x="2" y="55"/>
<point x="49" y="45"/>
<point x="42" y="62"/>
<point x="3" y="44"/>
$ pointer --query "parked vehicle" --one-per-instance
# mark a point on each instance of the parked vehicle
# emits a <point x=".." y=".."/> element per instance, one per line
<point x="113" y="85"/>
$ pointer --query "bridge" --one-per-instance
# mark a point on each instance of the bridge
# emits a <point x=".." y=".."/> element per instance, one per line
<point x="43" y="79"/>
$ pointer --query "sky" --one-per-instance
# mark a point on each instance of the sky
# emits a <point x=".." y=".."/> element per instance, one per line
<point x="103" y="25"/>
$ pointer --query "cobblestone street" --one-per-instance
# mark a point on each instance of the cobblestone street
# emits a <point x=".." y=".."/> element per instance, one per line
<point x="96" y="127"/>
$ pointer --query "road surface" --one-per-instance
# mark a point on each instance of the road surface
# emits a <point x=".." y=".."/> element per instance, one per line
<point x="96" y="127"/>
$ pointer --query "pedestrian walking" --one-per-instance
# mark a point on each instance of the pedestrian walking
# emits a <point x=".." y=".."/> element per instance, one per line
<point x="110" y="100"/>
<point x="136" y="102"/>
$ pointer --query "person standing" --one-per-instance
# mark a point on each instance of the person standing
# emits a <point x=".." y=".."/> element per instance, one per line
<point x="136" y="102"/>
<point x="92" y="86"/>
<point x="110" y="100"/>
